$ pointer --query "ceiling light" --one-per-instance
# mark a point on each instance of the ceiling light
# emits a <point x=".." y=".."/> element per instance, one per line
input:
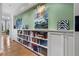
<point x="5" y="17"/>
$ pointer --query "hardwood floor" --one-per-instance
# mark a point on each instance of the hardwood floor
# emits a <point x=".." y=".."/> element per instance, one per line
<point x="15" y="49"/>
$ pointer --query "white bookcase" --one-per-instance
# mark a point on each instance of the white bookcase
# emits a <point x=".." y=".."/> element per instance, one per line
<point x="34" y="40"/>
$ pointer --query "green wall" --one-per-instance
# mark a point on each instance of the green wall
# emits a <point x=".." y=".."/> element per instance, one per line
<point x="28" y="17"/>
<point x="59" y="12"/>
<point x="56" y="12"/>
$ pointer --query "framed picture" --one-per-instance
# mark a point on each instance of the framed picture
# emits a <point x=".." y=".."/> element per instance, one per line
<point x="41" y="17"/>
<point x="18" y="23"/>
<point x="63" y="25"/>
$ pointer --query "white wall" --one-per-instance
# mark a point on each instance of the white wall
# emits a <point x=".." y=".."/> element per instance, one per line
<point x="77" y="33"/>
<point x="0" y="26"/>
<point x="76" y="9"/>
<point x="13" y="33"/>
<point x="77" y="43"/>
<point x="0" y="15"/>
<point x="3" y="24"/>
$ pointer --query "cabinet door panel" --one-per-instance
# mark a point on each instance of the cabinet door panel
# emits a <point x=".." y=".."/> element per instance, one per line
<point x="69" y="45"/>
<point x="56" y="44"/>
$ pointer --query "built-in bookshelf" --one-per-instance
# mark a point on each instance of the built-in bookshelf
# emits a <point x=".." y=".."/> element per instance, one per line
<point x="36" y="41"/>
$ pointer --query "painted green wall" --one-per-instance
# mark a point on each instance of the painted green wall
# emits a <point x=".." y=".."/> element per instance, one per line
<point x="59" y="12"/>
<point x="28" y="18"/>
<point x="56" y="12"/>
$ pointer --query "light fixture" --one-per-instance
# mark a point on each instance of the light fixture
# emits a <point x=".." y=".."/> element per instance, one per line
<point x="5" y="17"/>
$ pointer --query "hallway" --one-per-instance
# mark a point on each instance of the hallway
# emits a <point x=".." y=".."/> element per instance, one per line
<point x="37" y="29"/>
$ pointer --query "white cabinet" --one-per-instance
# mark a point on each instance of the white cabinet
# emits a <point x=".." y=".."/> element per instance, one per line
<point x="60" y="44"/>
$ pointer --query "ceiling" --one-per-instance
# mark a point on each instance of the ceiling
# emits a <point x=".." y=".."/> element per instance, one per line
<point x="15" y="8"/>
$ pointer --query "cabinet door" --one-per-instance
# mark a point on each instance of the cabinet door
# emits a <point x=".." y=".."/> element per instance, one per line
<point x="55" y="44"/>
<point x="69" y="44"/>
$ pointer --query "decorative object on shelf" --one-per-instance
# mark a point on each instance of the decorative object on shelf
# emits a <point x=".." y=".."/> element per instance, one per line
<point x="25" y="27"/>
<point x="14" y="26"/>
<point x="41" y="17"/>
<point x="63" y="25"/>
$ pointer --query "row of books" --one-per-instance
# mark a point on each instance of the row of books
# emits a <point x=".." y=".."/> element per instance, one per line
<point x="39" y="34"/>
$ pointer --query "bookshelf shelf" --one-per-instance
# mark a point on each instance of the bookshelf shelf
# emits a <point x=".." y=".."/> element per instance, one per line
<point x="22" y="34"/>
<point x="38" y="38"/>
<point x="39" y="45"/>
<point x="23" y="39"/>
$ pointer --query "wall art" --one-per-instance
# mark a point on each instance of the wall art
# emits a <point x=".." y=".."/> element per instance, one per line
<point x="41" y="17"/>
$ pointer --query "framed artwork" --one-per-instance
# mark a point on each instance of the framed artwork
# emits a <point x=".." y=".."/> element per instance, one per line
<point x="18" y="23"/>
<point x="63" y="25"/>
<point x="41" y="17"/>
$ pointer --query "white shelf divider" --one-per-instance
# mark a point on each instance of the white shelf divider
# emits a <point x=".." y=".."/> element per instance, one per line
<point x="38" y="38"/>
<point x="39" y="45"/>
